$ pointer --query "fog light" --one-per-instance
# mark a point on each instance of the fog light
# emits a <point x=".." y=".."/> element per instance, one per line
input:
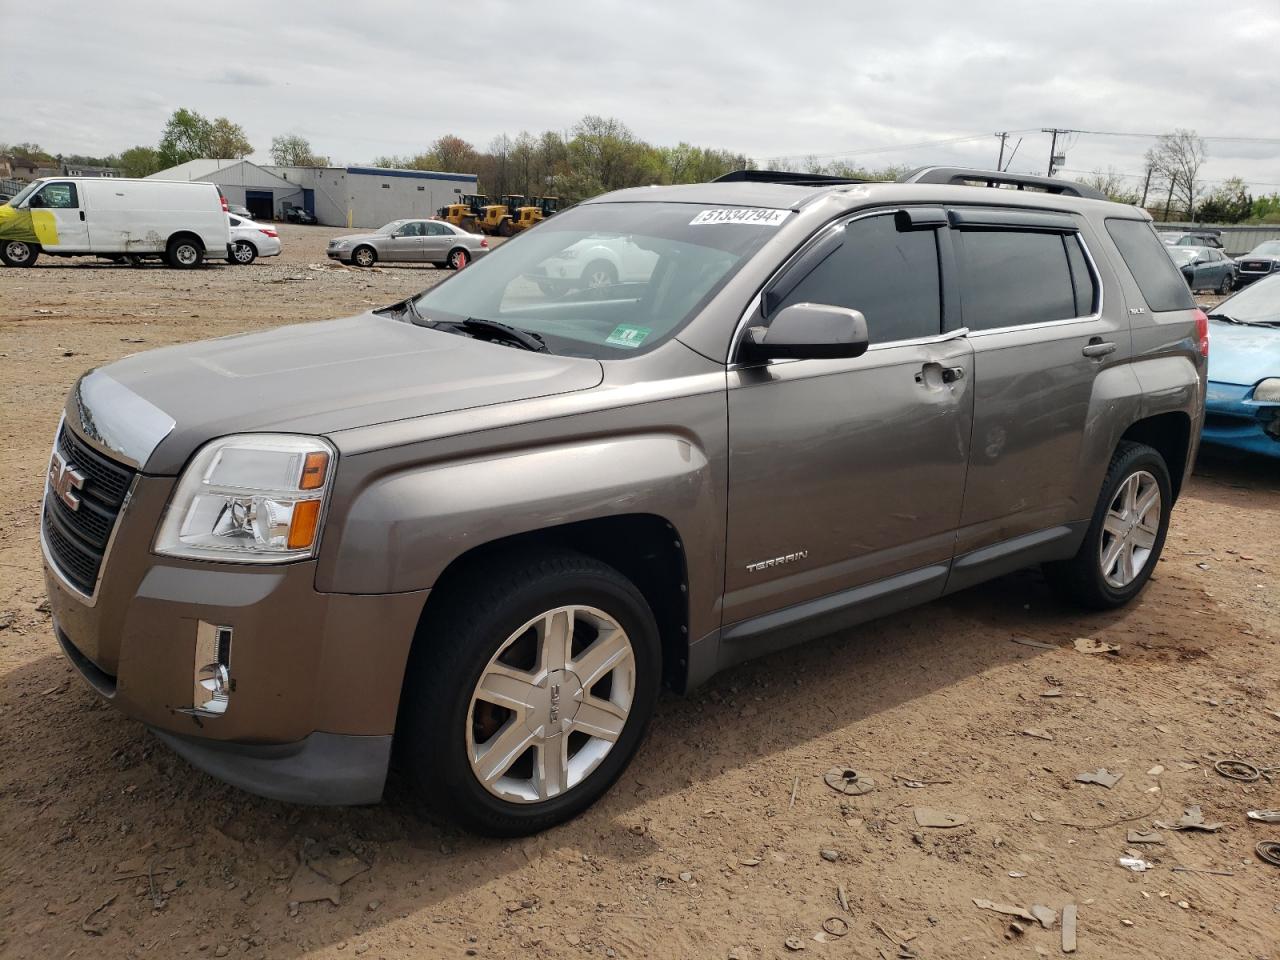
<point x="211" y="691"/>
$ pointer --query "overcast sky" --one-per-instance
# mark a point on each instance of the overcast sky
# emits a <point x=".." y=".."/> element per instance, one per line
<point x="768" y="79"/>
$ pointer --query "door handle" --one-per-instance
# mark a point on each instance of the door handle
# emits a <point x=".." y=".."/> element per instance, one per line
<point x="1097" y="348"/>
<point x="81" y="214"/>
<point x="935" y="374"/>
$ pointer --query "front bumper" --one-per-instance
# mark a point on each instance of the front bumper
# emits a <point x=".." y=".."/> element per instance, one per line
<point x="315" y="677"/>
<point x="343" y="255"/>
<point x="1245" y="277"/>
<point x="1232" y="420"/>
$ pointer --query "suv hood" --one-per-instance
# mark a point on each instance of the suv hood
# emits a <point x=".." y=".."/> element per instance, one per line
<point x="156" y="408"/>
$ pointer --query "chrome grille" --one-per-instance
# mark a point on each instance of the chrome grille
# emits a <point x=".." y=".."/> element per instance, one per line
<point x="77" y="539"/>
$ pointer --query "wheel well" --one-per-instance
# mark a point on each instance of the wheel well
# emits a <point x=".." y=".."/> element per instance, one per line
<point x="644" y="548"/>
<point x="184" y="235"/>
<point x="248" y="243"/>
<point x="602" y="262"/>
<point x="1170" y="435"/>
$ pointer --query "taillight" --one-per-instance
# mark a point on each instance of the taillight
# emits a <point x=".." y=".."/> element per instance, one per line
<point x="1202" y="333"/>
<point x="269" y="232"/>
<point x="484" y="243"/>
<point x="225" y="208"/>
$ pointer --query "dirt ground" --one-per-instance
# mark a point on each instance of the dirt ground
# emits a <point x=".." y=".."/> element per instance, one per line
<point x="712" y="844"/>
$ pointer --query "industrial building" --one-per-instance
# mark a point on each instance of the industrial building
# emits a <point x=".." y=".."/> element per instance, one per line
<point x="242" y="182"/>
<point x="372" y="196"/>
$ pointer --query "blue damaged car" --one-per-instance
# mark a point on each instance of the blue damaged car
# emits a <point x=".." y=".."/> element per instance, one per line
<point x="1242" y="409"/>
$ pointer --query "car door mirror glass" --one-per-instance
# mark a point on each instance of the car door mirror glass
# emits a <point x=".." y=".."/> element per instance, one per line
<point x="809" y="331"/>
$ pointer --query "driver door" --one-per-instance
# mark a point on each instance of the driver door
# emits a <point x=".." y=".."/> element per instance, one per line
<point x="57" y="211"/>
<point x="406" y="243"/>
<point x="846" y="477"/>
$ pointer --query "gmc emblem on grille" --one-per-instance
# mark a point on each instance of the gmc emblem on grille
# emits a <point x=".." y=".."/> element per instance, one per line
<point x="65" y="480"/>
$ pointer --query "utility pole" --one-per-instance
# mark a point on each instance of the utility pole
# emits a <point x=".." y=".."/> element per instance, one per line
<point x="1053" y="146"/>
<point x="1146" y="185"/>
<point x="1003" y="135"/>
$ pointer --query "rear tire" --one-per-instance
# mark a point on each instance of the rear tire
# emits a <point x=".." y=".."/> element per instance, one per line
<point x="458" y="258"/>
<point x="243" y="253"/>
<point x="184" y="253"/>
<point x="364" y="256"/>
<point x="19" y="253"/>
<point x="1228" y="282"/>
<point x="1125" y="536"/>
<point x="447" y="725"/>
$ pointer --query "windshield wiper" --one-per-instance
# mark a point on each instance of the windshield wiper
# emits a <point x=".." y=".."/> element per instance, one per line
<point x="514" y="335"/>
<point x="1227" y="318"/>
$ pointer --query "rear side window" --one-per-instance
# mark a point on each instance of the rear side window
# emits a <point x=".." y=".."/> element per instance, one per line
<point x="890" y="276"/>
<point x="1161" y="284"/>
<point x="1011" y="278"/>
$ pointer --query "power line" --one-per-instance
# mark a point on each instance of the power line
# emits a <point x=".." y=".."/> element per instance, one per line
<point x="1141" y="176"/>
<point x="884" y="149"/>
<point x="1157" y="136"/>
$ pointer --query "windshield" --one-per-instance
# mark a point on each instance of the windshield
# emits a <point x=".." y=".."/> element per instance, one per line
<point x="1181" y="255"/>
<point x="606" y="280"/>
<point x="1269" y="249"/>
<point x="1256" y="303"/>
<point x="25" y="192"/>
<point x="392" y="227"/>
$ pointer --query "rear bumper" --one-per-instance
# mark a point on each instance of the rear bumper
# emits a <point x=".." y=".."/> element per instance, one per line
<point x="326" y="769"/>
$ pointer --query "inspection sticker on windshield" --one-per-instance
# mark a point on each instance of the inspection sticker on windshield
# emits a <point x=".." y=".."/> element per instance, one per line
<point x="628" y="337"/>
<point x="755" y="216"/>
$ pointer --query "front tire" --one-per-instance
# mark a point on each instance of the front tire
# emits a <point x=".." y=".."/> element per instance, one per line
<point x="364" y="256"/>
<point x="1126" y="533"/>
<point x="19" y="253"/>
<point x="527" y="695"/>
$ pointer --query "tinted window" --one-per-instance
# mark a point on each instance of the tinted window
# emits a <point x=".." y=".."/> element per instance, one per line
<point x="1082" y="280"/>
<point x="1014" y="277"/>
<point x="1161" y="284"/>
<point x="891" y="277"/>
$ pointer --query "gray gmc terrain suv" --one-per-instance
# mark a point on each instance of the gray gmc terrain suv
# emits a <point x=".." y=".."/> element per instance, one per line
<point x="477" y="529"/>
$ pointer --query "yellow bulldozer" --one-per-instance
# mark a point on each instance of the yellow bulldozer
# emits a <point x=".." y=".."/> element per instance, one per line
<point x="499" y="219"/>
<point x="466" y="213"/>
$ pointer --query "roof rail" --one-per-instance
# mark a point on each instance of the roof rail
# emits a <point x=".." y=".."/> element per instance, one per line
<point x="964" y="176"/>
<point x="784" y="176"/>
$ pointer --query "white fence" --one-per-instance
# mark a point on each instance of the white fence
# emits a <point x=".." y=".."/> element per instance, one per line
<point x="1236" y="239"/>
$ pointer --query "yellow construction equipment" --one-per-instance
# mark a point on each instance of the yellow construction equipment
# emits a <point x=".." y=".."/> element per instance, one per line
<point x="534" y="212"/>
<point x="466" y="212"/>
<point x="498" y="219"/>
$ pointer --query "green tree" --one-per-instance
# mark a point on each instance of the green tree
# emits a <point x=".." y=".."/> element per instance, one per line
<point x="139" y="161"/>
<point x="227" y="140"/>
<point x="28" y="151"/>
<point x="1266" y="209"/>
<point x="1231" y="202"/>
<point x="294" y="151"/>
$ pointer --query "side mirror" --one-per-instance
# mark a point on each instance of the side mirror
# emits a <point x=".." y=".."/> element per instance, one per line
<point x="809" y="331"/>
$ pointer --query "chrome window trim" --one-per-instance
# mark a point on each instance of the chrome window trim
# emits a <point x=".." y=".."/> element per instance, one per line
<point x="1042" y="324"/>
<point x="88" y="599"/>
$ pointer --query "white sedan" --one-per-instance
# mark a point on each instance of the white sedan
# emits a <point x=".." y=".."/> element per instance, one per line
<point x="251" y="240"/>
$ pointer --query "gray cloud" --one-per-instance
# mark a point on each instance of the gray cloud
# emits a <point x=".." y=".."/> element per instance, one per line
<point x="753" y="76"/>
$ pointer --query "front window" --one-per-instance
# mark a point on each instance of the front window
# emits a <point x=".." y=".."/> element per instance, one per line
<point x="606" y="280"/>
<point x="391" y="229"/>
<point x="56" y="196"/>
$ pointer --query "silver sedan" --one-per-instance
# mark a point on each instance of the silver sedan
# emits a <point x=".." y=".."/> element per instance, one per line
<point x="410" y="241"/>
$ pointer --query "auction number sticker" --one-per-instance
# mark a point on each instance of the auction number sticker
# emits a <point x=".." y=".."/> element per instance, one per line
<point x="755" y="216"/>
<point x="628" y="337"/>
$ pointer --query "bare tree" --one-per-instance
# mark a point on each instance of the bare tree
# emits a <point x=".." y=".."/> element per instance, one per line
<point x="1177" y="158"/>
<point x="1112" y="184"/>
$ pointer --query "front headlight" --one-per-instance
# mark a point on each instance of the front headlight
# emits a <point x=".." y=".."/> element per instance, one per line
<point x="1268" y="391"/>
<point x="254" y="498"/>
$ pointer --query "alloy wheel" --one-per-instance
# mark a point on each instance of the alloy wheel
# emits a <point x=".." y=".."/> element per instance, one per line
<point x="1130" y="529"/>
<point x="551" y="704"/>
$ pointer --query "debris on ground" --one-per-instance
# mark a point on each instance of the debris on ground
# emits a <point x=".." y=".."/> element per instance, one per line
<point x="1069" y="928"/>
<point x="321" y="872"/>
<point x="793" y="943"/>
<point x="1269" y="850"/>
<point x="1045" y="916"/>
<point x="835" y="926"/>
<point x="1192" y="819"/>
<point x="1038" y="734"/>
<point x="1033" y="643"/>
<point x="1144" y="836"/>
<point x="847" y="781"/>
<point x="831" y="856"/>
<point x="1101" y="776"/>
<point x="842" y="898"/>
<point x="1244" y="771"/>
<point x="97" y="927"/>
<point x="1264" y="816"/>
<point x="941" y="819"/>
<point x="1211" y="873"/>
<point x="1090" y="645"/>
<point x="1136" y="864"/>
<point x="1007" y="909"/>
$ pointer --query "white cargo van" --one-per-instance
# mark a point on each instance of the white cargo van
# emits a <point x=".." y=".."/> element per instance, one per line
<point x="120" y="219"/>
